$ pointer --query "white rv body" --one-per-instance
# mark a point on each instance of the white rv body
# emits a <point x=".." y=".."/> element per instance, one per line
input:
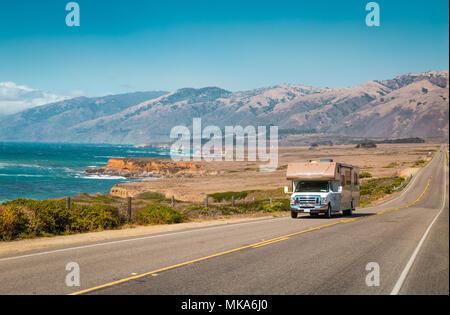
<point x="323" y="187"/>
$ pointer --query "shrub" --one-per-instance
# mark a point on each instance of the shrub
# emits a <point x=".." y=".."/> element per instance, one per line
<point x="227" y="196"/>
<point x="420" y="163"/>
<point x="50" y="217"/>
<point x="227" y="210"/>
<point x="365" y="175"/>
<point x="277" y="206"/>
<point x="95" y="218"/>
<point x="391" y="165"/>
<point x="150" y="195"/>
<point x="158" y="214"/>
<point x="248" y="207"/>
<point x="13" y="222"/>
<point x="366" y="145"/>
<point x="46" y="217"/>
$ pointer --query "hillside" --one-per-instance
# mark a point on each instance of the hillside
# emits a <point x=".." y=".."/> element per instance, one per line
<point x="52" y="122"/>
<point x="411" y="105"/>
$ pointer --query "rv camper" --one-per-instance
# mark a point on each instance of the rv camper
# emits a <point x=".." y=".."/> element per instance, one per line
<point x="323" y="187"/>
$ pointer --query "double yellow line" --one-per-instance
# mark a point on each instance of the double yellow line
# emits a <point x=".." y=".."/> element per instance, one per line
<point x="255" y="245"/>
<point x="411" y="204"/>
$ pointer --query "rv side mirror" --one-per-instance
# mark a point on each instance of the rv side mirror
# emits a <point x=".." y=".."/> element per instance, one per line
<point x="286" y="190"/>
<point x="340" y="189"/>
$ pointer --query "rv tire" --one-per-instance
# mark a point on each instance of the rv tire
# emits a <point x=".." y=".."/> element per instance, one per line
<point x="294" y="215"/>
<point x="349" y="212"/>
<point x="329" y="212"/>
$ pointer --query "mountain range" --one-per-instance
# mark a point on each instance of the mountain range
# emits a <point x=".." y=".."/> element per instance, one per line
<point x="411" y="105"/>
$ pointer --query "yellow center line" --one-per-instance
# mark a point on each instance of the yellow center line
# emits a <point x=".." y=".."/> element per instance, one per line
<point x="255" y="245"/>
<point x="271" y="242"/>
<point x="411" y="204"/>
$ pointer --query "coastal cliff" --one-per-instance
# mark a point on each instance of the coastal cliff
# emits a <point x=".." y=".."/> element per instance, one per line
<point x="146" y="167"/>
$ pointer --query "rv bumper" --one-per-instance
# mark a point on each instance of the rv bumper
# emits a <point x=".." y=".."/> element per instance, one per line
<point x="316" y="209"/>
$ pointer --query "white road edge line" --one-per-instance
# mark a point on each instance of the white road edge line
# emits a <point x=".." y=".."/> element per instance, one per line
<point x="409" y="185"/>
<point x="136" y="239"/>
<point x="404" y="274"/>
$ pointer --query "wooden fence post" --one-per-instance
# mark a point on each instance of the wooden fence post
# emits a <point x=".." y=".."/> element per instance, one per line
<point x="206" y="201"/>
<point x="173" y="201"/>
<point x="233" y="201"/>
<point x="129" y="209"/>
<point x="68" y="203"/>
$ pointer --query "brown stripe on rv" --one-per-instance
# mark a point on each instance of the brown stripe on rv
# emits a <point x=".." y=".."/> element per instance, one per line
<point x="313" y="171"/>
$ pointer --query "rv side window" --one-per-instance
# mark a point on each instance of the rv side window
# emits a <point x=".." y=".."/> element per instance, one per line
<point x="348" y="177"/>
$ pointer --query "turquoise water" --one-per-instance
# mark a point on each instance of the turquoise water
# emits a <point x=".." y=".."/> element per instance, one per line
<point x="41" y="171"/>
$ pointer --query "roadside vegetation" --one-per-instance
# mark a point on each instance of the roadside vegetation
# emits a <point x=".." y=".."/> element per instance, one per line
<point x="24" y="218"/>
<point x="377" y="188"/>
<point x="158" y="214"/>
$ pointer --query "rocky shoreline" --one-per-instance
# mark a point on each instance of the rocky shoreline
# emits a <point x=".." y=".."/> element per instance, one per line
<point x="138" y="168"/>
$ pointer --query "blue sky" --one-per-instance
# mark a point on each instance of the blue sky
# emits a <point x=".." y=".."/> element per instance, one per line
<point x="132" y="45"/>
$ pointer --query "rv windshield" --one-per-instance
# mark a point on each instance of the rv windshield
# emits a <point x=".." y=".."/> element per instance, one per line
<point x="312" y="187"/>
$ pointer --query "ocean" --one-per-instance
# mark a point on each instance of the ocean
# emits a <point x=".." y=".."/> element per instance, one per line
<point x="42" y="171"/>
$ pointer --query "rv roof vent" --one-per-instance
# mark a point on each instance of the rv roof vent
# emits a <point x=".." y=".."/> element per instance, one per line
<point x="326" y="160"/>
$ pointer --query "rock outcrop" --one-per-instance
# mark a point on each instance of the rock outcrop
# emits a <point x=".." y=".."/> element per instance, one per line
<point x="147" y="167"/>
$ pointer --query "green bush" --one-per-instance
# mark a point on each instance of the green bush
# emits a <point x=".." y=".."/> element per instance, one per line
<point x="420" y="163"/>
<point x="158" y="214"/>
<point x="95" y="218"/>
<point x="391" y="165"/>
<point x="50" y="217"/>
<point x="228" y="210"/>
<point x="248" y="207"/>
<point x="277" y="206"/>
<point x="46" y="217"/>
<point x="365" y="175"/>
<point x="13" y="222"/>
<point x="150" y="195"/>
<point x="227" y="196"/>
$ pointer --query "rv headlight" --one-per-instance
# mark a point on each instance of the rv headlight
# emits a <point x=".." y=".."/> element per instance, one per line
<point x="325" y="200"/>
<point x="292" y="198"/>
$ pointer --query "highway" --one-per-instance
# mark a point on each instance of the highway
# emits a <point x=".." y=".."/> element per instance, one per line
<point x="407" y="237"/>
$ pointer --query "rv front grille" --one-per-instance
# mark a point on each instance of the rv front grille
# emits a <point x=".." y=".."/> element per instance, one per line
<point x="307" y="200"/>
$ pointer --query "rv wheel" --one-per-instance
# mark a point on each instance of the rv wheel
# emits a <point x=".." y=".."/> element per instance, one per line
<point x="294" y="215"/>
<point x="328" y="214"/>
<point x="348" y="213"/>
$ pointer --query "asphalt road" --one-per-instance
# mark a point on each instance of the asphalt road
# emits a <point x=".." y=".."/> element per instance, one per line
<point x="407" y="237"/>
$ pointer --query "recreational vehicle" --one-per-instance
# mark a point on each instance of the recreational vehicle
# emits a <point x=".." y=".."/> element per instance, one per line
<point x="323" y="187"/>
